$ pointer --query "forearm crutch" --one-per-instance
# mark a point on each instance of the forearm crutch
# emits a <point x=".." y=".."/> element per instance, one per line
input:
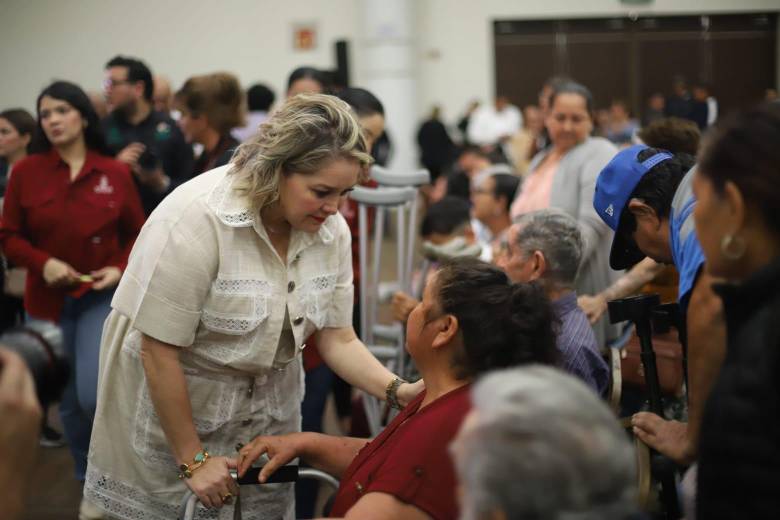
<point x="640" y="310"/>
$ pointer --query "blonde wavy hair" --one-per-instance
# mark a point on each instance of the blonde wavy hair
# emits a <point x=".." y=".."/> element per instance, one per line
<point x="307" y="132"/>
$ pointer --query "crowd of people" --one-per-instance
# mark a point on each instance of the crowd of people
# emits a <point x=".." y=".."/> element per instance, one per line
<point x="197" y="248"/>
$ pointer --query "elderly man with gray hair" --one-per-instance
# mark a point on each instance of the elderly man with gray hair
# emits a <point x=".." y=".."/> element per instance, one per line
<point x="546" y="246"/>
<point x="539" y="444"/>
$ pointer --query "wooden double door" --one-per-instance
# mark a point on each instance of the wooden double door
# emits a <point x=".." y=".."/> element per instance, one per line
<point x="631" y="59"/>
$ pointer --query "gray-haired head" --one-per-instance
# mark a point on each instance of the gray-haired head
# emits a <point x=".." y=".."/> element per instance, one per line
<point x="557" y="236"/>
<point x="541" y="444"/>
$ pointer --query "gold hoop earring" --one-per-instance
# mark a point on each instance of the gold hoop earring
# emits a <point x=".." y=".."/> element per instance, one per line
<point x="732" y="247"/>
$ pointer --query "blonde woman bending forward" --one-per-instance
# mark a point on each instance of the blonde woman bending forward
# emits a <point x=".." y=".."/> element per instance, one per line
<point x="229" y="276"/>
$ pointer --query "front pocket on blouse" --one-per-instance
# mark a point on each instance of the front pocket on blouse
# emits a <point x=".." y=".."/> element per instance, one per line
<point x="98" y="212"/>
<point x="317" y="296"/>
<point x="236" y="306"/>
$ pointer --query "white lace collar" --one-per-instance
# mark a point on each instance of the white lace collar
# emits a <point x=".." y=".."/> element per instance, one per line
<point x="232" y="209"/>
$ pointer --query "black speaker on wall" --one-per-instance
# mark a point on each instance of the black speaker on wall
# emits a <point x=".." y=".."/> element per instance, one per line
<point x="341" y="74"/>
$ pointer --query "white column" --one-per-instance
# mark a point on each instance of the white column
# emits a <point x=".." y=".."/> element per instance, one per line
<point x="387" y="68"/>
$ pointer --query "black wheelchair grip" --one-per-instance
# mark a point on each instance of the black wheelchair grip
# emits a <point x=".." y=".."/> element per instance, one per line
<point x="283" y="474"/>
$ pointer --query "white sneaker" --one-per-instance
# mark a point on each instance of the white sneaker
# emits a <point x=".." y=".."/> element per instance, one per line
<point x="50" y="438"/>
<point x="89" y="511"/>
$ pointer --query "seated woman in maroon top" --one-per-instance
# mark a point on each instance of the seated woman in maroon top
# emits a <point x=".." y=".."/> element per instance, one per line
<point x="471" y="320"/>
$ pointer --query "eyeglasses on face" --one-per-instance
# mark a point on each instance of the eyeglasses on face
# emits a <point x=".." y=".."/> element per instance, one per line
<point x="111" y="83"/>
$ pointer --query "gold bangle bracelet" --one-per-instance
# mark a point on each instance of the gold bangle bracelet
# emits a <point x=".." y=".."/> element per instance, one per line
<point x="391" y="392"/>
<point x="186" y="470"/>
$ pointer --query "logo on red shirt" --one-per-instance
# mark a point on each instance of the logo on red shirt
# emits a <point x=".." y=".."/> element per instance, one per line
<point x="103" y="187"/>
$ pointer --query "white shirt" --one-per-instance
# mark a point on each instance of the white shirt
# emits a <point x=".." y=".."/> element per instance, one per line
<point x="712" y="110"/>
<point x="487" y="125"/>
<point x="253" y="122"/>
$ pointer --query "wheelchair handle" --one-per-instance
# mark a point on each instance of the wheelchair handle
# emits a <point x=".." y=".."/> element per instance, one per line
<point x="289" y="473"/>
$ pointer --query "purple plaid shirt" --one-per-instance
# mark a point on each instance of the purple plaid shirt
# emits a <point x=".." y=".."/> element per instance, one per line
<point x="577" y="345"/>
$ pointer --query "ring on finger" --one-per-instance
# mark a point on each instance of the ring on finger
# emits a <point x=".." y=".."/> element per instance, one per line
<point x="226" y="498"/>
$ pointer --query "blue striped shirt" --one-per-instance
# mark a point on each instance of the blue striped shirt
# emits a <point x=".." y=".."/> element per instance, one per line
<point x="577" y="345"/>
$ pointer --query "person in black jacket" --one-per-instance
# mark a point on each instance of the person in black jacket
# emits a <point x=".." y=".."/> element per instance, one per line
<point x="136" y="134"/>
<point x="680" y="103"/>
<point x="436" y="147"/>
<point x="738" y="226"/>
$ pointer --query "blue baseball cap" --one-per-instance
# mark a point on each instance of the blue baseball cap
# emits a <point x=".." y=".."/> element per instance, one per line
<point x="614" y="187"/>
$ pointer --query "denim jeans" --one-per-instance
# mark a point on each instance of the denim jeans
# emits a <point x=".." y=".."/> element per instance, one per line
<point x="82" y="327"/>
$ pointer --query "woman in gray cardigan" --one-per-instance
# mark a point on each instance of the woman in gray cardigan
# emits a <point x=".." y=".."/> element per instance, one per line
<point x="564" y="176"/>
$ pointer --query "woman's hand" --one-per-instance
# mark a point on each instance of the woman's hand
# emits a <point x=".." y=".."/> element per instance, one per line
<point x="130" y="154"/>
<point x="57" y="273"/>
<point x="408" y="391"/>
<point x="212" y="481"/>
<point x="593" y="306"/>
<point x="106" y="278"/>
<point x="280" y="449"/>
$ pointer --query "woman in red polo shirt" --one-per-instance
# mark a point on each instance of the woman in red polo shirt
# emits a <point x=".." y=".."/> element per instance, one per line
<point x="471" y="320"/>
<point x="71" y="216"/>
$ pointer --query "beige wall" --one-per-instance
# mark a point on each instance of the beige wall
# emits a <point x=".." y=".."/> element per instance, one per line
<point x="41" y="40"/>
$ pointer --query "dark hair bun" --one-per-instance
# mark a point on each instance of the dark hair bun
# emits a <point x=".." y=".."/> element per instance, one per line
<point x="501" y="325"/>
<point x="533" y="322"/>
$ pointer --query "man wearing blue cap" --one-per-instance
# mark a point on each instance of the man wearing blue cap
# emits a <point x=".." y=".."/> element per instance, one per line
<point x="645" y="196"/>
